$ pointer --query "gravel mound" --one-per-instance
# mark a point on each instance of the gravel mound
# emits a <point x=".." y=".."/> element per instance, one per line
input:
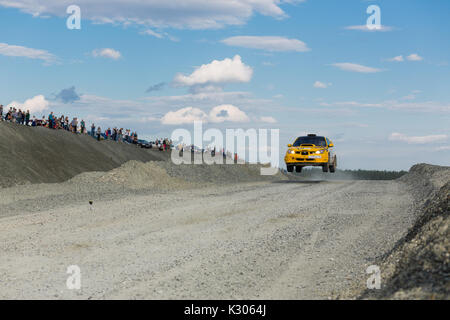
<point x="134" y="175"/>
<point x="424" y="180"/>
<point x="419" y="266"/>
<point x="40" y="155"/>
<point x="164" y="175"/>
<point x="218" y="173"/>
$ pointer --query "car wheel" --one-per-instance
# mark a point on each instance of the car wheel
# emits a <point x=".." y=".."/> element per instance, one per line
<point x="290" y="168"/>
<point x="298" y="169"/>
<point x="325" y="168"/>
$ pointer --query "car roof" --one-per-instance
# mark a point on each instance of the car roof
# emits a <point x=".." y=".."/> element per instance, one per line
<point x="311" y="137"/>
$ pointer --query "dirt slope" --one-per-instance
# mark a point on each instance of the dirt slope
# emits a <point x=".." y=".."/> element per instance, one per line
<point x="419" y="267"/>
<point x="40" y="155"/>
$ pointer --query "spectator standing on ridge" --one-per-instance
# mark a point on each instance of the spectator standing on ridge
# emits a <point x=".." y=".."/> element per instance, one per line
<point x="99" y="133"/>
<point x="93" y="130"/>
<point x="27" y="117"/>
<point x="83" y="126"/>
<point x="74" y="125"/>
<point x="50" y="120"/>
<point x="1" y="112"/>
<point x="20" y="117"/>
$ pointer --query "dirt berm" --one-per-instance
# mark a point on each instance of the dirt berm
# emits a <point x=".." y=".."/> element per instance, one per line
<point x="41" y="155"/>
<point x="419" y="265"/>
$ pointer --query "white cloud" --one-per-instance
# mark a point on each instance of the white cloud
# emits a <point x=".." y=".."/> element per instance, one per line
<point x="268" y="43"/>
<point x="217" y="114"/>
<point x="353" y="67"/>
<point x="321" y="85"/>
<point x="107" y="53"/>
<point x="195" y="14"/>
<point x="268" y="119"/>
<point x="217" y="72"/>
<point x="185" y="115"/>
<point x="397" y="59"/>
<point x="227" y="112"/>
<point x="414" y="57"/>
<point x="366" y="28"/>
<point x="36" y="104"/>
<point x="19" y="51"/>
<point x="159" y="35"/>
<point x="418" y="139"/>
<point x="150" y="32"/>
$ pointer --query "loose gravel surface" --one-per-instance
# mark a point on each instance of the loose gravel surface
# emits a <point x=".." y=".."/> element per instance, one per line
<point x="279" y="239"/>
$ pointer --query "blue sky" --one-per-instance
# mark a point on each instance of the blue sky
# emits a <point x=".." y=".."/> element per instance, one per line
<point x="299" y="66"/>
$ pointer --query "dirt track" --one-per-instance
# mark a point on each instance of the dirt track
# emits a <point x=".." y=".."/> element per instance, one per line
<point x="273" y="240"/>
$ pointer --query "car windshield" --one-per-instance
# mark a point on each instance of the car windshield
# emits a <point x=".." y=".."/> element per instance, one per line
<point x="317" y="141"/>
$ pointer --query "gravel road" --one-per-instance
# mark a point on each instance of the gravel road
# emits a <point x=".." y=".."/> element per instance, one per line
<point x="274" y="240"/>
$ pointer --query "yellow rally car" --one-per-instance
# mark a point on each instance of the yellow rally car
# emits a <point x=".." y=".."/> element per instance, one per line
<point x="311" y="150"/>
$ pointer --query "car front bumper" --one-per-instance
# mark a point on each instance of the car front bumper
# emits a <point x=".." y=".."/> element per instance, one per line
<point x="298" y="160"/>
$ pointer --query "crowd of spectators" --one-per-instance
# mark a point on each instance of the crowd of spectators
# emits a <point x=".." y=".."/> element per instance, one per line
<point x="116" y="134"/>
<point x="75" y="126"/>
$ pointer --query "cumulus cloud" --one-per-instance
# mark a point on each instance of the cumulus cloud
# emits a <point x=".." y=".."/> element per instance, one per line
<point x="217" y="114"/>
<point x="36" y="104"/>
<point x="417" y="139"/>
<point x="195" y="14"/>
<point x="107" y="53"/>
<point x="68" y="95"/>
<point x="184" y="115"/>
<point x="353" y="67"/>
<point x="321" y="85"/>
<point x="19" y="51"/>
<point x="217" y="72"/>
<point x="367" y="29"/>
<point x="227" y="112"/>
<point x="267" y="43"/>
<point x="414" y="57"/>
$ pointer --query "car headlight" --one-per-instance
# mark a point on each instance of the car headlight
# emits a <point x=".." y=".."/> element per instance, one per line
<point x="320" y="151"/>
<point x="291" y="151"/>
